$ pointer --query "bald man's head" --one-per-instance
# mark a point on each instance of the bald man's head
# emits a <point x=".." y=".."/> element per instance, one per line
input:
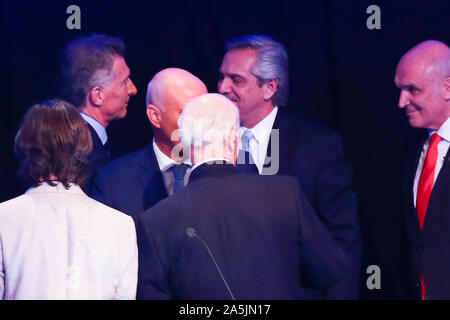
<point x="167" y="93"/>
<point x="423" y="75"/>
<point x="168" y="84"/>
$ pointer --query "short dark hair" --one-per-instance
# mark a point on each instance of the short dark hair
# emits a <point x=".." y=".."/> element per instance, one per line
<point x="271" y="62"/>
<point x="53" y="140"/>
<point x="85" y="62"/>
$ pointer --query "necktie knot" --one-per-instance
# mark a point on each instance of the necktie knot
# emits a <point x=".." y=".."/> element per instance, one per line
<point x="179" y="171"/>
<point x="247" y="137"/>
<point x="435" y="139"/>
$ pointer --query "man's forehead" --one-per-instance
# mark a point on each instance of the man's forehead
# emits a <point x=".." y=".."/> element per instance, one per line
<point x="237" y="60"/>
<point x="410" y="71"/>
<point x="182" y="95"/>
<point x="120" y="66"/>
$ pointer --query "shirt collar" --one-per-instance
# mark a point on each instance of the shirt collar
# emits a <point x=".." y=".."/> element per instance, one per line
<point x="262" y="130"/>
<point x="164" y="162"/>
<point x="443" y="131"/>
<point x="99" y="129"/>
<point x="198" y="164"/>
<point x="58" y="188"/>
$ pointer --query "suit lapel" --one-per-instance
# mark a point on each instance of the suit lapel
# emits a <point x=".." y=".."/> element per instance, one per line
<point x="99" y="155"/>
<point x="282" y="123"/>
<point x="151" y="179"/>
<point x="439" y="192"/>
<point x="413" y="163"/>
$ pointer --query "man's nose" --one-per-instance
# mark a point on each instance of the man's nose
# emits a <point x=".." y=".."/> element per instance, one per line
<point x="403" y="100"/>
<point x="132" y="90"/>
<point x="224" y="86"/>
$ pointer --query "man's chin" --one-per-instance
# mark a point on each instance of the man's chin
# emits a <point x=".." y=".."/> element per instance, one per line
<point x="124" y="113"/>
<point x="416" y="123"/>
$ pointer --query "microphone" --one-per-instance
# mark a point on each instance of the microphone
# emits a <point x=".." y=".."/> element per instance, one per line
<point x="191" y="233"/>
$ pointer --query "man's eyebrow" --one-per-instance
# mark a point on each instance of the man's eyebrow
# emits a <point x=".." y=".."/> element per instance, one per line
<point x="407" y="85"/>
<point x="230" y="74"/>
<point x="236" y="75"/>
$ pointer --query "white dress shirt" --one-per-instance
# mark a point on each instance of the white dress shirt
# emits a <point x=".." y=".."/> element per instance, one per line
<point x="261" y="132"/>
<point x="61" y="244"/>
<point x="99" y="129"/>
<point x="165" y="163"/>
<point x="444" y="132"/>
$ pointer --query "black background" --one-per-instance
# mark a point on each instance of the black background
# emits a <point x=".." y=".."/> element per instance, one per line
<point x="341" y="75"/>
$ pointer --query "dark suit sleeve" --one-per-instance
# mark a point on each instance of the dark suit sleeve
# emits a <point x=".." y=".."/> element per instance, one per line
<point x="337" y="209"/>
<point x="323" y="262"/>
<point x="152" y="279"/>
<point x="406" y="287"/>
<point x="99" y="189"/>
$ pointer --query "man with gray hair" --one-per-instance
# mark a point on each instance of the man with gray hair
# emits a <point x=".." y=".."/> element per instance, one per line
<point x="229" y="235"/>
<point x="136" y="181"/>
<point x="423" y="76"/>
<point x="96" y="79"/>
<point x="254" y="75"/>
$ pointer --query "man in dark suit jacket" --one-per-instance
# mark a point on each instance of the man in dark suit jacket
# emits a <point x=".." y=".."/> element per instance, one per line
<point x="254" y="75"/>
<point x="100" y="153"/>
<point x="96" y="79"/>
<point x="423" y="75"/>
<point x="135" y="182"/>
<point x="230" y="235"/>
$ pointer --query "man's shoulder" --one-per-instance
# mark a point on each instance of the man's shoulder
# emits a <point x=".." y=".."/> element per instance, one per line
<point x="241" y="183"/>
<point x="266" y="179"/>
<point x="305" y="128"/>
<point x="238" y="186"/>
<point x="127" y="161"/>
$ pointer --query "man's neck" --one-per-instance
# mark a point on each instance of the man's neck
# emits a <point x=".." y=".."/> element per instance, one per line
<point x="95" y="114"/>
<point x="211" y="153"/>
<point x="253" y="118"/>
<point x="172" y="150"/>
<point x="444" y="119"/>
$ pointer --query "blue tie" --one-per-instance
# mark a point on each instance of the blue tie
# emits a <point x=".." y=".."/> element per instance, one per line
<point x="247" y="137"/>
<point x="179" y="171"/>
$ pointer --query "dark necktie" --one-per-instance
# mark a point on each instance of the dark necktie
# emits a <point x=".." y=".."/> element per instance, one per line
<point x="179" y="171"/>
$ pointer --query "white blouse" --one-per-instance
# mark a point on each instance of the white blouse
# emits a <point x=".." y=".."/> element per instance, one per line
<point x="61" y="244"/>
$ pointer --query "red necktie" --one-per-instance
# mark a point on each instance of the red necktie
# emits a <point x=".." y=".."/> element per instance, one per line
<point x="425" y="187"/>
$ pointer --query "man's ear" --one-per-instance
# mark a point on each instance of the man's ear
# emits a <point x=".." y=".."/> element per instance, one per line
<point x="446" y="89"/>
<point x="233" y="143"/>
<point x="154" y="115"/>
<point x="96" y="96"/>
<point x="269" y="88"/>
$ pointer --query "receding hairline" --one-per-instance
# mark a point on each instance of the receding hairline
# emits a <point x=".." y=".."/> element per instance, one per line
<point x="432" y="54"/>
<point x="166" y="80"/>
